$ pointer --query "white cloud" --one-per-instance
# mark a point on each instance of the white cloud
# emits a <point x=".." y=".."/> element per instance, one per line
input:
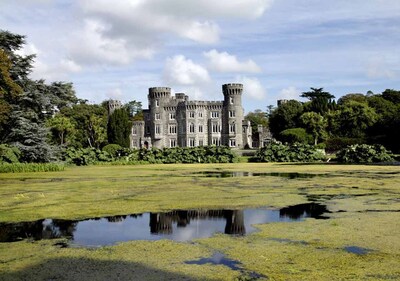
<point x="115" y="94"/>
<point x="224" y="62"/>
<point x="380" y="68"/>
<point x="181" y="71"/>
<point x="290" y="93"/>
<point x="252" y="88"/>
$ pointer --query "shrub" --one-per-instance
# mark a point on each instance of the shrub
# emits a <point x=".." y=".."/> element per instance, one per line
<point x="85" y="156"/>
<point x="278" y="152"/>
<point x="9" y="154"/>
<point x="112" y="149"/>
<point x="295" y="135"/>
<point x="364" y="153"/>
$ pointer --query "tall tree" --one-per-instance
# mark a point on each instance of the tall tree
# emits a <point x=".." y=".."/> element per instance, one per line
<point x="286" y="116"/>
<point x="61" y="127"/>
<point x="90" y="121"/>
<point x="119" y="128"/>
<point x="320" y="101"/>
<point x="315" y="124"/>
<point x="257" y="117"/>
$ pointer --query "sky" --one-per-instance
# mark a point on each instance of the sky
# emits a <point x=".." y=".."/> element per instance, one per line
<point x="276" y="48"/>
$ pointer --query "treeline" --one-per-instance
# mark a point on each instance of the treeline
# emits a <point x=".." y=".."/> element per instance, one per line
<point x="38" y="121"/>
<point x="353" y="119"/>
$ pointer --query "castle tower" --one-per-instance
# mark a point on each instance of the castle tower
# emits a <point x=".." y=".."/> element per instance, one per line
<point x="113" y="105"/>
<point x="158" y="98"/>
<point x="232" y="115"/>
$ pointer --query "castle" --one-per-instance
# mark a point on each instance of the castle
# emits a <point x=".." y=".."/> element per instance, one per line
<point x="172" y="121"/>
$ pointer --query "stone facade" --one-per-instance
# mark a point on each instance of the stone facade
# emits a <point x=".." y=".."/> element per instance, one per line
<point x="172" y="121"/>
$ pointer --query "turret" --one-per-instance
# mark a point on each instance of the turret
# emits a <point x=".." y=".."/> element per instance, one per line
<point x="232" y="115"/>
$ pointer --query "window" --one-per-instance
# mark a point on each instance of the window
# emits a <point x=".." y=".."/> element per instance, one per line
<point x="134" y="130"/>
<point x="216" y="128"/>
<point x="232" y="128"/>
<point x="172" y="129"/>
<point x="147" y="116"/>
<point x="157" y="103"/>
<point x="158" y="129"/>
<point x="200" y="128"/>
<point x="191" y="128"/>
<point x="157" y="116"/>
<point x="134" y="143"/>
<point x="172" y="142"/>
<point x="200" y="114"/>
<point x="216" y="141"/>
<point x="191" y="142"/>
<point x="191" y="114"/>
<point x="201" y="143"/>
<point x="148" y="130"/>
<point x="231" y="114"/>
<point x="231" y="100"/>
<point x="172" y="116"/>
<point x="214" y="114"/>
<point x="232" y="142"/>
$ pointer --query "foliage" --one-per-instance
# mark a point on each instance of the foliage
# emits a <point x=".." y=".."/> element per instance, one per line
<point x="61" y="127"/>
<point x="119" y="127"/>
<point x="320" y="101"/>
<point x="9" y="154"/>
<point x="85" y="156"/>
<point x="112" y="149"/>
<point x="286" y="116"/>
<point x="30" y="167"/>
<point x="30" y="138"/>
<point x="203" y="154"/>
<point x="295" y="135"/>
<point x="256" y="118"/>
<point x="355" y="118"/>
<point x="278" y="152"/>
<point x="90" y="122"/>
<point x="363" y="153"/>
<point x="337" y="143"/>
<point x="315" y="125"/>
<point x="135" y="110"/>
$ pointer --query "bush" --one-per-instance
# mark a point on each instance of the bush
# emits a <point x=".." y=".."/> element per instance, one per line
<point x="85" y="156"/>
<point x="9" y="154"/>
<point x="364" y="153"/>
<point x="278" y="152"/>
<point x="112" y="149"/>
<point x="30" y="167"/>
<point x="295" y="135"/>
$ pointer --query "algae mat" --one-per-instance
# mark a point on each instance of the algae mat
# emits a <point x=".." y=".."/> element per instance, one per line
<point x="359" y="241"/>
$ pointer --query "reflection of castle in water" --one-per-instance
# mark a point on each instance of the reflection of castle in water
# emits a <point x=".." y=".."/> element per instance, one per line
<point x="162" y="223"/>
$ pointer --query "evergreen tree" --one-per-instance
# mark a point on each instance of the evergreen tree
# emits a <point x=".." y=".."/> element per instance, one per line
<point x="119" y="128"/>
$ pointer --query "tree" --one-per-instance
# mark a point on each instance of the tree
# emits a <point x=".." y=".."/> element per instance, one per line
<point x="90" y="122"/>
<point x="61" y="128"/>
<point x="320" y="101"/>
<point x="286" y="116"/>
<point x="119" y="128"/>
<point x="355" y="118"/>
<point x="256" y="118"/>
<point x="9" y="92"/>
<point x="352" y="97"/>
<point x="391" y="95"/>
<point x="315" y="124"/>
<point x="135" y="110"/>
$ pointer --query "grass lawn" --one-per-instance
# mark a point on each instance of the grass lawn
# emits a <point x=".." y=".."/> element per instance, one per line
<point x="364" y="202"/>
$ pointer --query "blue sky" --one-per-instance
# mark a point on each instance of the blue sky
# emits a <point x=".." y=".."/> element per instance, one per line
<point x="276" y="48"/>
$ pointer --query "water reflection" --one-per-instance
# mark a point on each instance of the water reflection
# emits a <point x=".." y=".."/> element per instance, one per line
<point x="227" y="174"/>
<point x="179" y="225"/>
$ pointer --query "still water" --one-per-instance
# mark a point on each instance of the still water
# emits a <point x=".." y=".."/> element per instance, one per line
<point x="178" y="225"/>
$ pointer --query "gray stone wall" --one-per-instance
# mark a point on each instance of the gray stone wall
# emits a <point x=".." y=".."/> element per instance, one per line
<point x="176" y="121"/>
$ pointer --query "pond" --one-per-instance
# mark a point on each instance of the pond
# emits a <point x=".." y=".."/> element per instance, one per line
<point x="228" y="174"/>
<point x="178" y="225"/>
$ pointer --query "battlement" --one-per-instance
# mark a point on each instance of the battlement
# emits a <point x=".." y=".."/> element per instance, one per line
<point x="159" y="92"/>
<point x="232" y="89"/>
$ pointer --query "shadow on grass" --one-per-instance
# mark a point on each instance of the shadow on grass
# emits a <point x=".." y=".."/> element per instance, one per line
<point x="90" y="269"/>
